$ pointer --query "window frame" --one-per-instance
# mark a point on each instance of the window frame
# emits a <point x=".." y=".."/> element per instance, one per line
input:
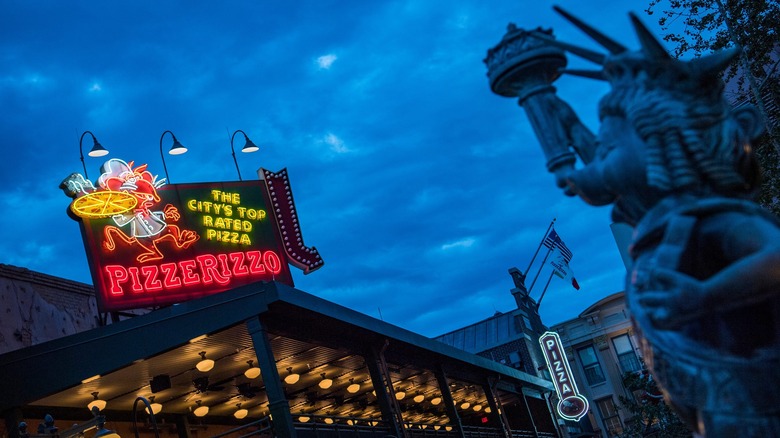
<point x="634" y="359"/>
<point x="595" y="365"/>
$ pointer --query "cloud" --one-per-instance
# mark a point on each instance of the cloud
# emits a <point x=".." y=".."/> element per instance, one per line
<point x="336" y="144"/>
<point x="464" y="243"/>
<point x="326" y="61"/>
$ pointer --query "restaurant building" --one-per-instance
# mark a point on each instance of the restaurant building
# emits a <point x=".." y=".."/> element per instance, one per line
<point x="194" y="316"/>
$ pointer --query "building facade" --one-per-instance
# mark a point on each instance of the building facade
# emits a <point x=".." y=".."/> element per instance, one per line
<point x="264" y="359"/>
<point x="601" y="348"/>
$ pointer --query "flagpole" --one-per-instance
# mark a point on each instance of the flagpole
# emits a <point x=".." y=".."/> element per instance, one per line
<point x="539" y="247"/>
<point x="539" y="303"/>
<point x="540" y="270"/>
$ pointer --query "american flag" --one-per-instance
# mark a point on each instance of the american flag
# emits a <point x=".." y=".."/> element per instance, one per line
<point x="553" y="240"/>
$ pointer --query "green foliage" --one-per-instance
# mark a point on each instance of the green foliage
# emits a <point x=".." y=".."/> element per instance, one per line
<point x="652" y="417"/>
<point x="697" y="27"/>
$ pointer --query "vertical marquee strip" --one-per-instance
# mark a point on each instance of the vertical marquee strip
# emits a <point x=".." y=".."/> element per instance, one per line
<point x="279" y="192"/>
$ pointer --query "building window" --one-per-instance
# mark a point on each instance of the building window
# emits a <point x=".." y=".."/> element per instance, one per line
<point x="591" y="366"/>
<point x="609" y="416"/>
<point x="625" y="353"/>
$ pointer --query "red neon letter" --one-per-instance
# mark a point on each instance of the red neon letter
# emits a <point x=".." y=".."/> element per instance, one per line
<point x="136" y="282"/>
<point x="239" y="268"/>
<point x="208" y="268"/>
<point x="188" y="274"/>
<point x="116" y="275"/>
<point x="151" y="282"/>
<point x="170" y="280"/>
<point x="255" y="262"/>
<point x="272" y="261"/>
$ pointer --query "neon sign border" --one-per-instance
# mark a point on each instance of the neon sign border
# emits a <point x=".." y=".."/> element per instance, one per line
<point x="567" y="369"/>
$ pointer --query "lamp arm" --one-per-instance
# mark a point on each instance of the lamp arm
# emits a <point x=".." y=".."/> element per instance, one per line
<point x="233" y="151"/>
<point x="149" y="410"/>
<point x="81" y="151"/>
<point x="165" y="168"/>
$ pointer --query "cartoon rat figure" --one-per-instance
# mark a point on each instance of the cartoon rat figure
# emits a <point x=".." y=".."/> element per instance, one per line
<point x="675" y="160"/>
<point x="147" y="228"/>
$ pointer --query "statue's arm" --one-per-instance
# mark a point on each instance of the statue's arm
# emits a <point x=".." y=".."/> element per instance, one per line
<point x="751" y="278"/>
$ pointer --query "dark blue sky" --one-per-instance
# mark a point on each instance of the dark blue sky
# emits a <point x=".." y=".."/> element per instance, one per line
<point x="419" y="187"/>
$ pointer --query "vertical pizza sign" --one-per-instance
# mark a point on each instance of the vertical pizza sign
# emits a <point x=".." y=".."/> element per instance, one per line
<point x="571" y="404"/>
<point x="152" y="244"/>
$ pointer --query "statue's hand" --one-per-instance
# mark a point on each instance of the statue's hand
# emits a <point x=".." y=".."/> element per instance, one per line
<point x="676" y="298"/>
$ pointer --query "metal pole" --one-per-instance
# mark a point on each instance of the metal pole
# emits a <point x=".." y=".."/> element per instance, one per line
<point x="540" y="246"/>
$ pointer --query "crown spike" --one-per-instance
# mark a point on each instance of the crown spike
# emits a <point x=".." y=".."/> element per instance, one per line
<point x="613" y="46"/>
<point x="716" y="62"/>
<point x="590" y="74"/>
<point x="651" y="46"/>
<point x="588" y="54"/>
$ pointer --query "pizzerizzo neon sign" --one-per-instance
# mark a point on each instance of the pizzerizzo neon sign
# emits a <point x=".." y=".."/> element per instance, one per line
<point x="571" y="404"/>
<point x="154" y="244"/>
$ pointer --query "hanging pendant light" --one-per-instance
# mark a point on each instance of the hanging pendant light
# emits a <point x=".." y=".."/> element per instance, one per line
<point x="291" y="378"/>
<point x="241" y="412"/>
<point x="325" y="383"/>
<point x="477" y="408"/>
<point x="488" y="410"/>
<point x="156" y="407"/>
<point x="400" y="394"/>
<point x="465" y="405"/>
<point x="418" y="398"/>
<point x="201" y="410"/>
<point x="96" y="402"/>
<point x="204" y="365"/>
<point x="353" y="387"/>
<point x="435" y="401"/>
<point x="252" y="372"/>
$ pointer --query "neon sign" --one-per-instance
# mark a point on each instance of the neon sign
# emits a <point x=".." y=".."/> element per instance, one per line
<point x="152" y="244"/>
<point x="571" y="404"/>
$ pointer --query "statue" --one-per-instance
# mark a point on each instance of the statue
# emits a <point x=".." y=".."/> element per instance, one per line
<point x="675" y="161"/>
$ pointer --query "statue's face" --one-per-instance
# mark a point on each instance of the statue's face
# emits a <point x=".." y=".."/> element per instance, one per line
<point x="622" y="154"/>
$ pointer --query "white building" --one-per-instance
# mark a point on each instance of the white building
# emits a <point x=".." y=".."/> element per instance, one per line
<point x="601" y="347"/>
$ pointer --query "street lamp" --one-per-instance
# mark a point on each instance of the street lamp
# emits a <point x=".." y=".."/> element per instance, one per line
<point x="248" y="147"/>
<point x="97" y="150"/>
<point x="176" y="149"/>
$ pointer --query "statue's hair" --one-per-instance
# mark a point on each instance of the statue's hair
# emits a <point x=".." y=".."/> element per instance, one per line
<point x="693" y="140"/>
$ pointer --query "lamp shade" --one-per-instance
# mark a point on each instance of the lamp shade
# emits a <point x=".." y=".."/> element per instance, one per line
<point x="201" y="410"/>
<point x="240" y="412"/>
<point x="477" y="408"/>
<point x="418" y="398"/>
<point x="465" y="405"/>
<point x="304" y="419"/>
<point x="97" y="150"/>
<point x="177" y="148"/>
<point x="204" y="365"/>
<point x="156" y="408"/>
<point x="435" y="401"/>
<point x="252" y="372"/>
<point x="249" y="146"/>
<point x="96" y="403"/>
<point x="325" y="383"/>
<point x="399" y="395"/>
<point x="353" y="387"/>
<point x="291" y="378"/>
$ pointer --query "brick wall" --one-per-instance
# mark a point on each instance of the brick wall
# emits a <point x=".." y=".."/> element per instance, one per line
<point x="36" y="307"/>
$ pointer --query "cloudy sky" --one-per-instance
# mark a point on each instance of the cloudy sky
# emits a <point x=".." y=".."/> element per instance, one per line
<point x="418" y="186"/>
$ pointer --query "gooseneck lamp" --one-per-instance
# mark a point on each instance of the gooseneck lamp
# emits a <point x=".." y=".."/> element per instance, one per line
<point x="248" y="147"/>
<point x="176" y="149"/>
<point x="97" y="150"/>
